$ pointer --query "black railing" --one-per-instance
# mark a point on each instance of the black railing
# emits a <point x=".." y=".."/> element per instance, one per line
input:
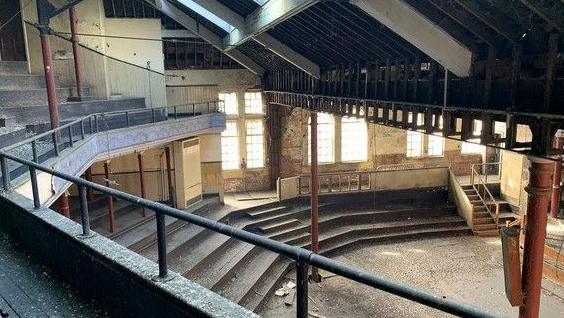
<point x="49" y="144"/>
<point x="303" y="258"/>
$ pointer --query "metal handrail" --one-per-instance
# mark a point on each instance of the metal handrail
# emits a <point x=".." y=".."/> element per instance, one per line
<point x="93" y="123"/>
<point x="359" y="173"/>
<point x="474" y="175"/>
<point x="303" y="258"/>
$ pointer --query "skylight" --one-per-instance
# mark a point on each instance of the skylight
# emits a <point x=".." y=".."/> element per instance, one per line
<point x="208" y="15"/>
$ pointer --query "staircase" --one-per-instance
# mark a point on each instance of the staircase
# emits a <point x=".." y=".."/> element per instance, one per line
<point x="483" y="224"/>
<point x="247" y="274"/>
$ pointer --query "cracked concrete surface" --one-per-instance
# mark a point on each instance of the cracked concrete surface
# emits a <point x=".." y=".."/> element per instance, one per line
<point x="465" y="268"/>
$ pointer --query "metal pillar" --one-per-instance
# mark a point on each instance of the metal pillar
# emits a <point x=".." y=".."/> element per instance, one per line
<point x="109" y="199"/>
<point x="89" y="192"/>
<point x="314" y="187"/>
<point x="539" y="189"/>
<point x="63" y="204"/>
<point x="75" y="51"/>
<point x="171" y="193"/>
<point x="44" y="33"/>
<point x="141" y="179"/>
<point x="557" y="177"/>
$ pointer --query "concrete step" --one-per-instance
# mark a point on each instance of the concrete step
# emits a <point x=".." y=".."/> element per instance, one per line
<point x="274" y="227"/>
<point x="30" y="97"/>
<point x="259" y="214"/>
<point x="21" y="81"/>
<point x="151" y="240"/>
<point x="484" y="227"/>
<point x="265" y="285"/>
<point x="481" y="214"/>
<point x="13" y="67"/>
<point x="484" y="220"/>
<point x="221" y="262"/>
<point x="486" y="233"/>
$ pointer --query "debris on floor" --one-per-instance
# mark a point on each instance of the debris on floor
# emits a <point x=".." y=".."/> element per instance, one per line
<point x="285" y="290"/>
<point x="289" y="300"/>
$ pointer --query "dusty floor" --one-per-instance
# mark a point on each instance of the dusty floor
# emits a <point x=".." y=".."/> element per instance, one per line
<point x="465" y="268"/>
<point x="29" y="289"/>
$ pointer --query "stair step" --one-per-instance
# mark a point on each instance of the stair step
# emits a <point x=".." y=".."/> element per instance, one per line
<point x="265" y="285"/>
<point x="287" y="233"/>
<point x="267" y="229"/>
<point x="486" y="233"/>
<point x="13" y="67"/>
<point x="483" y="227"/>
<point x="266" y="213"/>
<point x="30" y="97"/>
<point x="221" y="262"/>
<point x="191" y="252"/>
<point x="484" y="220"/>
<point x="21" y="81"/>
<point x="151" y="240"/>
<point x="481" y="214"/>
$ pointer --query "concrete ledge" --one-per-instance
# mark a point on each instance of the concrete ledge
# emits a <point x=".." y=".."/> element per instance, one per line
<point x="114" y="276"/>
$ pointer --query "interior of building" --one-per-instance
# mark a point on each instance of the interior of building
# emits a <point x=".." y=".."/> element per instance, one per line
<point x="281" y="158"/>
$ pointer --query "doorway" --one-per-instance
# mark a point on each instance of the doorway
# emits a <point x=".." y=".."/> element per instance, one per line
<point x="12" y="46"/>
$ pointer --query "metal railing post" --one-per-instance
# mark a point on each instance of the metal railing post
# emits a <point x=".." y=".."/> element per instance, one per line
<point x="175" y="113"/>
<point x="91" y="126"/>
<point x="193" y="110"/>
<point x="96" y="123"/>
<point x="161" y="244"/>
<point x="34" y="187"/>
<point x="34" y="151"/>
<point x="5" y="173"/>
<point x="127" y="119"/>
<point x="71" y="142"/>
<point x="301" y="286"/>
<point x="84" y="215"/>
<point x="82" y="129"/>
<point x="153" y="115"/>
<point x="55" y="145"/>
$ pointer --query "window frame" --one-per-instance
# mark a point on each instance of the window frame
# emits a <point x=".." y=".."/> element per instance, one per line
<point x="250" y="138"/>
<point x="347" y="139"/>
<point x="230" y="137"/>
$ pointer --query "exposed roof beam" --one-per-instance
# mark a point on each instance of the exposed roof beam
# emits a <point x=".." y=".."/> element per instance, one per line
<point x="417" y="29"/>
<point x="500" y="25"/>
<point x="193" y="26"/>
<point x="553" y="15"/>
<point x="475" y="27"/>
<point x="264" y="39"/>
<point x="264" y="18"/>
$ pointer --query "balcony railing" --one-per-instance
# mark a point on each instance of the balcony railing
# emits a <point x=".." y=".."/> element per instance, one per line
<point x="479" y="182"/>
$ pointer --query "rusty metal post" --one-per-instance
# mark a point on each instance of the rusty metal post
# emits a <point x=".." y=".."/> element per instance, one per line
<point x="49" y="77"/>
<point x="171" y="193"/>
<point x="557" y="177"/>
<point x="314" y="195"/>
<point x="75" y="51"/>
<point x="89" y="192"/>
<point x="141" y="179"/>
<point x="63" y="205"/>
<point x="539" y="189"/>
<point x="109" y="199"/>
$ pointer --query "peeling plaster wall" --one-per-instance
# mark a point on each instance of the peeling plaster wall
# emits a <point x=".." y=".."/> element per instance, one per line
<point x="386" y="146"/>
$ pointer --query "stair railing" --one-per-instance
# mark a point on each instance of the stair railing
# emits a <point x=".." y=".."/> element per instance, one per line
<point x="480" y="185"/>
<point x="302" y="258"/>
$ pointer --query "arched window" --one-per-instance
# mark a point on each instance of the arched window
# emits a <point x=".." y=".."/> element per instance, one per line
<point x="325" y="138"/>
<point x="354" y="139"/>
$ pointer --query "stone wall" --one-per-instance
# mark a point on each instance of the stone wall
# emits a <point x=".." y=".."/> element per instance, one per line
<point x="386" y="146"/>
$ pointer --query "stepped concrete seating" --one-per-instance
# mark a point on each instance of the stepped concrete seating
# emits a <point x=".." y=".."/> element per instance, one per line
<point x="247" y="274"/>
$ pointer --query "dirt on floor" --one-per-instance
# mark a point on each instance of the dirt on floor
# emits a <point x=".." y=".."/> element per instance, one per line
<point x="465" y="268"/>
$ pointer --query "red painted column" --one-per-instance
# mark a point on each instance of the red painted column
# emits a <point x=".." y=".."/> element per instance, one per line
<point x="557" y="178"/>
<point x="539" y="188"/>
<point x="314" y="195"/>
<point x="141" y="179"/>
<point x="109" y="199"/>
<point x="75" y="50"/>
<point x="88" y="175"/>
<point x="63" y="205"/>
<point x="49" y="77"/>
<point x="171" y="192"/>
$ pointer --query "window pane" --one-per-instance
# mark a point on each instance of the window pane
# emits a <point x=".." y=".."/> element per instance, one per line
<point x="230" y="147"/>
<point x="354" y="140"/>
<point x="472" y="147"/>
<point x="436" y="145"/>
<point x="230" y="103"/>
<point x="255" y="144"/>
<point x="325" y="139"/>
<point x="414" y="144"/>
<point x="253" y="103"/>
